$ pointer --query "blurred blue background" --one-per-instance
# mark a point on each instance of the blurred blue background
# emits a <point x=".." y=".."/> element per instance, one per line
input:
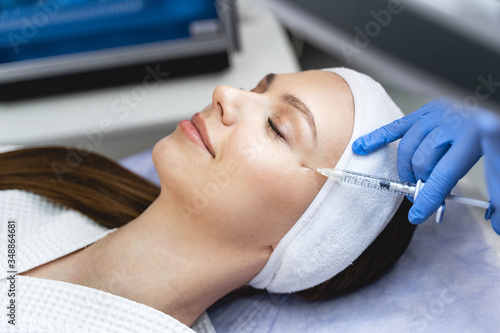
<point x="68" y="26"/>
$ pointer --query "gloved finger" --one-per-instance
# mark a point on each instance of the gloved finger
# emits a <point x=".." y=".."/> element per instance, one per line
<point x="409" y="144"/>
<point x="380" y="137"/>
<point x="448" y="171"/>
<point x="489" y="125"/>
<point x="495" y="221"/>
<point x="429" y="153"/>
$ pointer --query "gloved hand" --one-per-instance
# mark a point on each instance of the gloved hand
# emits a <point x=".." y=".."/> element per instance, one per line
<point x="440" y="143"/>
<point x="489" y="126"/>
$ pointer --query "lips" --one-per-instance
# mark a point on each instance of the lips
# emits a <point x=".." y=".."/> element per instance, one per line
<point x="196" y="131"/>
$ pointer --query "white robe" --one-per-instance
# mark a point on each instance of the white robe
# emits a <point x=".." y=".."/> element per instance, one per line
<point x="45" y="231"/>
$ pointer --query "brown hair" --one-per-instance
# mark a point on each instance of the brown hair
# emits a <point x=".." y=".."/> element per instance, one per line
<point x="112" y="196"/>
<point x="90" y="183"/>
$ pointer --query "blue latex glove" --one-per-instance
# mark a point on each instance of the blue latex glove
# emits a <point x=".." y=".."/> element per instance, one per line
<point x="440" y="143"/>
<point x="489" y="126"/>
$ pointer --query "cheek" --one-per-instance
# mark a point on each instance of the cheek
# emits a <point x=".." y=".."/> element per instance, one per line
<point x="273" y="174"/>
<point x="270" y="192"/>
<point x="290" y="193"/>
<point x="283" y="199"/>
<point x="177" y="163"/>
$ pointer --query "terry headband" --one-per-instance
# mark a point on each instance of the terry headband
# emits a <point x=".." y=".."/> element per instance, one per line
<point x="343" y="219"/>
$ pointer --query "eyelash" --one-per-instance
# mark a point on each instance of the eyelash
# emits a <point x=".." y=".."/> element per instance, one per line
<point x="275" y="129"/>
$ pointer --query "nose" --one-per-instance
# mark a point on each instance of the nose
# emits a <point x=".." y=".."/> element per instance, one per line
<point x="231" y="101"/>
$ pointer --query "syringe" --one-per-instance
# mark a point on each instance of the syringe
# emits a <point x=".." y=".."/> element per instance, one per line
<point x="362" y="179"/>
<point x="383" y="184"/>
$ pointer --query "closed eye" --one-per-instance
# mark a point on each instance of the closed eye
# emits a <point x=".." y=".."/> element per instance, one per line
<point x="275" y="129"/>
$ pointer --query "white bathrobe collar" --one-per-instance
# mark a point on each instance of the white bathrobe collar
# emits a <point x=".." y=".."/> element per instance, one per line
<point x="46" y="231"/>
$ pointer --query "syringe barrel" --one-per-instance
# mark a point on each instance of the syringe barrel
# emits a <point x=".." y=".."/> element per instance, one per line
<point x="364" y="180"/>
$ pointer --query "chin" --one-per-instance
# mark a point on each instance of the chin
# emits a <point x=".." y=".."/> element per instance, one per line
<point x="160" y="151"/>
<point x="173" y="160"/>
<point x="167" y="158"/>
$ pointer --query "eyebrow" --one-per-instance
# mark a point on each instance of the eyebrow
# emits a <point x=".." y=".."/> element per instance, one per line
<point x="297" y="104"/>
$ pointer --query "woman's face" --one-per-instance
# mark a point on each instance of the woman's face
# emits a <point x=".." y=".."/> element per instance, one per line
<point x="251" y="185"/>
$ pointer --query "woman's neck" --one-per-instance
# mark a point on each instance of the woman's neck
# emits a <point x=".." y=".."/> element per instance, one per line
<point x="167" y="264"/>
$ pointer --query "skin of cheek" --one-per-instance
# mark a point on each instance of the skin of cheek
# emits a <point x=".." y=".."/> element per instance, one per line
<point x="292" y="192"/>
<point x="180" y="166"/>
<point x="168" y="161"/>
<point x="253" y="193"/>
<point x="267" y="198"/>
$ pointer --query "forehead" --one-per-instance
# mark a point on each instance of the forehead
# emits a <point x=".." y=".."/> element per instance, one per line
<point x="330" y="100"/>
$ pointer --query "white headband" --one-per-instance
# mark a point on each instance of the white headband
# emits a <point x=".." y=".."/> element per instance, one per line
<point x="343" y="220"/>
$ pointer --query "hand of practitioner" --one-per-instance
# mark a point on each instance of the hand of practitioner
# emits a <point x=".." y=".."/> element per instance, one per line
<point x="489" y="126"/>
<point x="440" y="143"/>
